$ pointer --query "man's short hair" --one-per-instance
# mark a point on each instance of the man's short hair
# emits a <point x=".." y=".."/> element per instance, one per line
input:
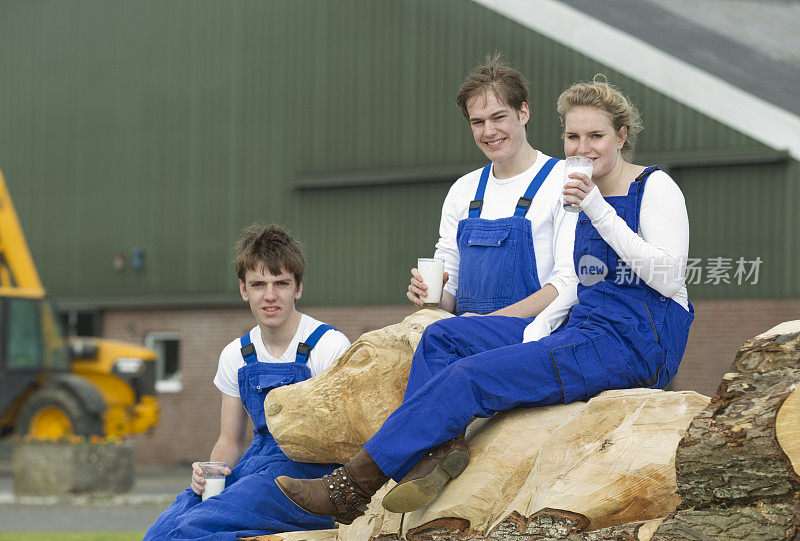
<point x="507" y="84"/>
<point x="270" y="247"/>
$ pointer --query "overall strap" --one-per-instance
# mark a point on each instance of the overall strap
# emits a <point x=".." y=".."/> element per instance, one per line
<point x="525" y="201"/>
<point x="646" y="173"/>
<point x="638" y="187"/>
<point x="304" y="348"/>
<point x="248" y="349"/>
<point x="477" y="203"/>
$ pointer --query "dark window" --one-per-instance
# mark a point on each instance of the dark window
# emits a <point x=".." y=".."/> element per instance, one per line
<point x="168" y="370"/>
<point x="24" y="338"/>
<point x="81" y="322"/>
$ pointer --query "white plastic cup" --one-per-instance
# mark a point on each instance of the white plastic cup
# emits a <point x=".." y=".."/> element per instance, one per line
<point x="575" y="164"/>
<point x="214" y="474"/>
<point x="432" y="271"/>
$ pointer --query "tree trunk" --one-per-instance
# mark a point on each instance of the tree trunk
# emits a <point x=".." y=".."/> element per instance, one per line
<point x="737" y="464"/>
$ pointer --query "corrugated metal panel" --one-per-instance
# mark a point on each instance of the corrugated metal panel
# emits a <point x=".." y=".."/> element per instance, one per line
<point x="730" y="230"/>
<point x="170" y="125"/>
<point x="787" y="210"/>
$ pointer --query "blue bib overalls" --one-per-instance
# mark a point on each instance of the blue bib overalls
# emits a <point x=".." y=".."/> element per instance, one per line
<point x="251" y="503"/>
<point x="621" y="334"/>
<point x="497" y="263"/>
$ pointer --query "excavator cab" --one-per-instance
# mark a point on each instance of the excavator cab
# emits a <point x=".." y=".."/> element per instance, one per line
<point x="51" y="387"/>
<point x="32" y="352"/>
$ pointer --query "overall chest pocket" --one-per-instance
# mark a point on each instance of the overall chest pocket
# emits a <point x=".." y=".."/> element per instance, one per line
<point x="487" y="239"/>
<point x="254" y="391"/>
<point x="487" y="257"/>
<point x="263" y="383"/>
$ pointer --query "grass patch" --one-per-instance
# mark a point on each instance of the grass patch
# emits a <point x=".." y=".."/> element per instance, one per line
<point x="72" y="536"/>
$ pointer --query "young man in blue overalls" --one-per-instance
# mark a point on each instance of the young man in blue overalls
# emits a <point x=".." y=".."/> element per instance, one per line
<point x="499" y="223"/>
<point x="284" y="347"/>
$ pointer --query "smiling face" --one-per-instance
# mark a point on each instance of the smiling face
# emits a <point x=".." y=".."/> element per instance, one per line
<point x="588" y="131"/>
<point x="271" y="297"/>
<point x="498" y="130"/>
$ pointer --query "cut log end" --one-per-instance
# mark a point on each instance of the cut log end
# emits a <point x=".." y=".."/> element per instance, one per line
<point x="787" y="428"/>
<point x="442" y="528"/>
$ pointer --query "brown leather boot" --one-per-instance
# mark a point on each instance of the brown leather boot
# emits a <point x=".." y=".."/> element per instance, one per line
<point x="344" y="494"/>
<point x="426" y="479"/>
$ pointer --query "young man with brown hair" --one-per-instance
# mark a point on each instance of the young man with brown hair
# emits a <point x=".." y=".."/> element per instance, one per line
<point x="499" y="223"/>
<point x="284" y="347"/>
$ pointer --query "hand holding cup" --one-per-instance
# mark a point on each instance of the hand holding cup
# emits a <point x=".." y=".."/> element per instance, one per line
<point x="427" y="282"/>
<point x="208" y="478"/>
<point x="577" y="181"/>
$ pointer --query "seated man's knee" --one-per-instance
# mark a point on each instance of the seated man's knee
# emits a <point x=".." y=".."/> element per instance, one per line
<point x="447" y="326"/>
<point x="435" y="332"/>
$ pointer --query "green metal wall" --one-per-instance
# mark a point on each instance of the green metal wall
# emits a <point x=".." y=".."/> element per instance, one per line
<point x="168" y="126"/>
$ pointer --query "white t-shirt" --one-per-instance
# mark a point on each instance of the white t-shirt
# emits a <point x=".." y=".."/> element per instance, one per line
<point x="332" y="344"/>
<point x="657" y="253"/>
<point x="546" y="214"/>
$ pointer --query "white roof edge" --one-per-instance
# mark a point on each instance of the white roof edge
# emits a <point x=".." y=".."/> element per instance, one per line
<point x="681" y="81"/>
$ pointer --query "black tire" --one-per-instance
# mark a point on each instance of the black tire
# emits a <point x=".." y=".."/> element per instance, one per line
<point x="83" y="422"/>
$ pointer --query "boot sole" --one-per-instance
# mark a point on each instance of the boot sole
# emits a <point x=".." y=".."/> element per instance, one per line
<point x="411" y="495"/>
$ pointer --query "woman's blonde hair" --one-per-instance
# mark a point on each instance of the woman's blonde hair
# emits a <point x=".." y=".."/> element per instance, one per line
<point x="605" y="96"/>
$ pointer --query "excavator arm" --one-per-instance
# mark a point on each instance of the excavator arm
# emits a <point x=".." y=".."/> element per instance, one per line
<point x="18" y="275"/>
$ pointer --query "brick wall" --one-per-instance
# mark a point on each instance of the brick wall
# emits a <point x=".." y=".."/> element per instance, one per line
<point x="190" y="418"/>
<point x="719" y="328"/>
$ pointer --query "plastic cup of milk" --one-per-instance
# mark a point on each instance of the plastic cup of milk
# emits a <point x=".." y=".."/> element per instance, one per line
<point x="214" y="474"/>
<point x="432" y="271"/>
<point x="576" y="164"/>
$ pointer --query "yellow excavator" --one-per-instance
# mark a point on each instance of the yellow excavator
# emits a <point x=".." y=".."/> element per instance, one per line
<point x="50" y="386"/>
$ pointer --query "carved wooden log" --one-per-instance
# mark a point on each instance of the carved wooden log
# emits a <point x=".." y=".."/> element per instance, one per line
<point x="609" y="461"/>
<point x="595" y="465"/>
<point x="328" y="418"/>
<point x="737" y="464"/>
